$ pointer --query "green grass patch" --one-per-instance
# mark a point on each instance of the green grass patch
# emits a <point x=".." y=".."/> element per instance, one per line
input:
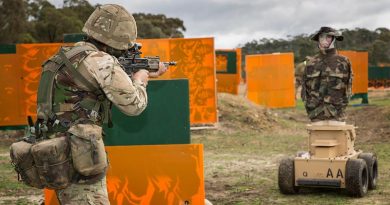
<point x="246" y="165"/>
<point x="20" y="201"/>
<point x="299" y="104"/>
<point x="9" y="184"/>
<point x="8" y="178"/>
<point x="4" y="149"/>
<point x="266" y="144"/>
<point x="380" y="101"/>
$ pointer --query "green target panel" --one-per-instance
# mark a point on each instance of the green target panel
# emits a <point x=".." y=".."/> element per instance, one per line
<point x="164" y="121"/>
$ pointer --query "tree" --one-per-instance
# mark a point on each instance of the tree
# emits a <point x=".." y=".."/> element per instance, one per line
<point x="29" y="21"/>
<point x="81" y="8"/>
<point x="380" y="52"/>
<point x="53" y="23"/>
<point x="158" y="26"/>
<point x="12" y="20"/>
<point x="376" y="42"/>
<point x="48" y="23"/>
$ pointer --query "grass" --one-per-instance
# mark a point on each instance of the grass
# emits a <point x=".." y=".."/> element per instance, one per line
<point x="8" y="179"/>
<point x="21" y="201"/>
<point x="12" y="191"/>
<point x="241" y="168"/>
<point x="300" y="105"/>
<point x="380" y="102"/>
<point x="248" y="172"/>
<point x="319" y="196"/>
<point x="383" y="100"/>
<point x="4" y="149"/>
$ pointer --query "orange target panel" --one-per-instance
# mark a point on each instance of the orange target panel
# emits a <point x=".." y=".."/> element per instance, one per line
<point x="270" y="79"/>
<point x="194" y="57"/>
<point x="359" y="63"/>
<point x="195" y="61"/>
<point x="153" y="174"/>
<point x="12" y="110"/>
<point x="31" y="58"/>
<point x="227" y="83"/>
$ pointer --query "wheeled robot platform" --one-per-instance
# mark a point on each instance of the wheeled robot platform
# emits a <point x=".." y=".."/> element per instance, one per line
<point x="330" y="162"/>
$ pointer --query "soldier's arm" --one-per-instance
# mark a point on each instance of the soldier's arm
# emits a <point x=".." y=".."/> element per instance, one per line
<point x="350" y="78"/>
<point x="347" y="82"/>
<point x="303" y="90"/>
<point x="130" y="97"/>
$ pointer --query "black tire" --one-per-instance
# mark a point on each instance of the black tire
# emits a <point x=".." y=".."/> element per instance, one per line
<point x="356" y="177"/>
<point x="286" y="177"/>
<point x="372" y="166"/>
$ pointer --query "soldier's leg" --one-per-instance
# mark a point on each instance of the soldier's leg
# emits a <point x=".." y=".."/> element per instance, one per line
<point x="89" y="194"/>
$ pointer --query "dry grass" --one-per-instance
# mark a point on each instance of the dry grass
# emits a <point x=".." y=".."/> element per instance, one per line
<point x="241" y="165"/>
<point x="242" y="156"/>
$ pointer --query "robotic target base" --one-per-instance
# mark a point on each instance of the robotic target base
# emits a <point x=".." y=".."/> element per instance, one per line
<point x="331" y="162"/>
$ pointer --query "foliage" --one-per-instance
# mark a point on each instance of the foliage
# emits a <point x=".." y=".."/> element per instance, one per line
<point x="376" y="42"/>
<point x="12" y="20"/>
<point x="158" y="26"/>
<point x="51" y="23"/>
<point x="30" y="21"/>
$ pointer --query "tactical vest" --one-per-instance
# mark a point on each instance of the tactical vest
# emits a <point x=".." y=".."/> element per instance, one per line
<point x="61" y="102"/>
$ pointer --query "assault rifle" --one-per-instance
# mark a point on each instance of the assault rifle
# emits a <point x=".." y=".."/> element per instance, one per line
<point x="132" y="61"/>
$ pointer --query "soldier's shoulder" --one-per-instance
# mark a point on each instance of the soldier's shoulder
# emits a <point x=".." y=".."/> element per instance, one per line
<point x="99" y="57"/>
<point x="80" y="43"/>
<point x="342" y="58"/>
<point x="311" y="59"/>
<point x="85" y="46"/>
<point x="300" y="68"/>
<point x="99" y="54"/>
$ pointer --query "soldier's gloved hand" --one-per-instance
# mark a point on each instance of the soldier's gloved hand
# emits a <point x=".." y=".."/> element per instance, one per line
<point x="141" y="76"/>
<point x="161" y="70"/>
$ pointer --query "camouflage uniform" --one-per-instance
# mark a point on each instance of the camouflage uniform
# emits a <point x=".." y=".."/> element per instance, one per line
<point x="105" y="73"/>
<point x="95" y="193"/>
<point x="326" y="86"/>
<point x="76" y="102"/>
<point x="299" y="68"/>
<point x="64" y="150"/>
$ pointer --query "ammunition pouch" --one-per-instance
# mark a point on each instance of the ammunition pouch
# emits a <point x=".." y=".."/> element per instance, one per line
<point x="45" y="164"/>
<point x="53" y="162"/>
<point x="87" y="147"/>
<point x="23" y="163"/>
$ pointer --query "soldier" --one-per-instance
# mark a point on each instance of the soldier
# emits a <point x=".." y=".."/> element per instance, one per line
<point x="327" y="79"/>
<point x="83" y="90"/>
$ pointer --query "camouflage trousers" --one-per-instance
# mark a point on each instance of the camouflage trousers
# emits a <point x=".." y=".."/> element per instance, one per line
<point x="89" y="194"/>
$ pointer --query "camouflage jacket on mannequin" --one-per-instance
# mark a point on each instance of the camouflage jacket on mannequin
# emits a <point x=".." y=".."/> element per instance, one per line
<point x="327" y="81"/>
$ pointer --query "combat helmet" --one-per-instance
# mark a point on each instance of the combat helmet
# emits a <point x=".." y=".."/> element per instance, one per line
<point x="112" y="25"/>
<point x="329" y="31"/>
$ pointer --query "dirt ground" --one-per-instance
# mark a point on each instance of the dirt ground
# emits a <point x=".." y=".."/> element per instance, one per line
<point x="372" y="122"/>
<point x="241" y="162"/>
<point x="241" y="156"/>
